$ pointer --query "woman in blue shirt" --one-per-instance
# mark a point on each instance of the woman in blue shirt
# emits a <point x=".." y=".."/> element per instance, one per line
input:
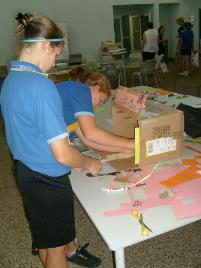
<point x="37" y="138"/>
<point x="79" y="98"/>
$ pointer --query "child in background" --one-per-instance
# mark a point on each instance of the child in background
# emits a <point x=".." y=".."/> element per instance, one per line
<point x="161" y="48"/>
<point x="180" y="23"/>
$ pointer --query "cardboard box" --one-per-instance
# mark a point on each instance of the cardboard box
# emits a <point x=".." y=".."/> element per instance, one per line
<point x="157" y="129"/>
<point x="125" y="110"/>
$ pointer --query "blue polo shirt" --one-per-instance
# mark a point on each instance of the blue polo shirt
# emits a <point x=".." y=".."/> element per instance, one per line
<point x="76" y="101"/>
<point x="33" y="118"/>
<point x="187" y="37"/>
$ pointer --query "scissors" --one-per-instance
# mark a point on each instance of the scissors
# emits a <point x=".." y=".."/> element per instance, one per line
<point x="106" y="174"/>
<point x="145" y="230"/>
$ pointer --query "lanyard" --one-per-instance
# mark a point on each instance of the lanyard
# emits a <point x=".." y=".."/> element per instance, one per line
<point x="27" y="70"/>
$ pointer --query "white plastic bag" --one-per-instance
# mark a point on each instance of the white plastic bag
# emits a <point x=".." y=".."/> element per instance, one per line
<point x="164" y="68"/>
<point x="195" y="60"/>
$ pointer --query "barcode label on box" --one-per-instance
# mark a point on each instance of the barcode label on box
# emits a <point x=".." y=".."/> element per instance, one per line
<point x="159" y="146"/>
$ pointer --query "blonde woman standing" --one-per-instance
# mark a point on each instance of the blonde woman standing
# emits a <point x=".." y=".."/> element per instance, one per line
<point x="37" y="138"/>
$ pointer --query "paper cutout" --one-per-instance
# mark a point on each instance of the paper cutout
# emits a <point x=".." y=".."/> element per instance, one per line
<point x="122" y="179"/>
<point x="128" y="181"/>
<point x="185" y="192"/>
<point x="139" y="206"/>
<point x="193" y="149"/>
<point x="194" y="141"/>
<point x="164" y="194"/>
<point x="190" y="173"/>
<point x="149" y="195"/>
<point x="154" y="91"/>
<point x="144" y="228"/>
<point x="134" y="101"/>
<point x="137" y="145"/>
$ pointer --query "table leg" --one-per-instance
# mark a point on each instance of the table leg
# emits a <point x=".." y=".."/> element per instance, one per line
<point x="119" y="258"/>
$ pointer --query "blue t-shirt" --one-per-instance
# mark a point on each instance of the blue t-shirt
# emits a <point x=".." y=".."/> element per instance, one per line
<point x="33" y="118"/>
<point x="186" y="39"/>
<point x="76" y="101"/>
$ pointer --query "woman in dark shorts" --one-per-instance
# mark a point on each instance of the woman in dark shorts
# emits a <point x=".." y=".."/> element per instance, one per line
<point x="37" y="138"/>
<point x="187" y="47"/>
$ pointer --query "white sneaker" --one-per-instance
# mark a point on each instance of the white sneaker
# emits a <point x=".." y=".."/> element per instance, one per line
<point x="184" y="73"/>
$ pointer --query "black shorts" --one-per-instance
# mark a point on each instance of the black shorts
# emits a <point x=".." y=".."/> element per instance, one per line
<point x="148" y="55"/>
<point x="49" y="207"/>
<point x="161" y="51"/>
<point x="185" y="52"/>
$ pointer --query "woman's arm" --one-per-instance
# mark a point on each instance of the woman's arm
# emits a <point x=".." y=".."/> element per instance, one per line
<point x="163" y="40"/>
<point x="66" y="155"/>
<point x="94" y="134"/>
<point x="143" y="41"/>
<point x="100" y="147"/>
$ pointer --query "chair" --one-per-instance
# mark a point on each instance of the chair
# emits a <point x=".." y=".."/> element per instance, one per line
<point x="147" y="69"/>
<point x="158" y="62"/>
<point x="110" y="69"/>
<point x="135" y="58"/>
<point x="187" y="88"/>
<point x="132" y="64"/>
<point x="112" y="74"/>
<point x="90" y="66"/>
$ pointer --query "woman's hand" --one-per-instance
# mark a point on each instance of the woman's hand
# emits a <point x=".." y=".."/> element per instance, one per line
<point x="95" y="167"/>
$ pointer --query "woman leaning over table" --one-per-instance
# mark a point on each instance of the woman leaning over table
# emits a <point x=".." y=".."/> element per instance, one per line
<point x="37" y="138"/>
<point x="84" y="91"/>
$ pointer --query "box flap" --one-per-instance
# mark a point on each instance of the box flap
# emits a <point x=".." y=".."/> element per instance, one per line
<point x="131" y="100"/>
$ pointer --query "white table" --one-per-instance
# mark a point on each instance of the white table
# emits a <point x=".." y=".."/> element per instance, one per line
<point x="174" y="100"/>
<point x="121" y="231"/>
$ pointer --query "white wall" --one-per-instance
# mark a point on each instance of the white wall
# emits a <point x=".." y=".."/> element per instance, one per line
<point x="168" y="16"/>
<point x="89" y="21"/>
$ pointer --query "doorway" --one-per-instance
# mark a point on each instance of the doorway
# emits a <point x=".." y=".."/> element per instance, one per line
<point x="129" y="30"/>
<point x="200" y="31"/>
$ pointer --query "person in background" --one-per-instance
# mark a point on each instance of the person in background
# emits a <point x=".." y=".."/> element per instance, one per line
<point x="85" y="91"/>
<point x="187" y="48"/>
<point x="37" y="138"/>
<point x="180" y="23"/>
<point x="162" y="41"/>
<point x="149" y="42"/>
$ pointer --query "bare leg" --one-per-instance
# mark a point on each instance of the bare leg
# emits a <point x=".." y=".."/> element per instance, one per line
<point x="56" y="258"/>
<point x="70" y="248"/>
<point x="180" y="65"/>
<point x="43" y="255"/>
<point x="188" y="63"/>
<point x="183" y="60"/>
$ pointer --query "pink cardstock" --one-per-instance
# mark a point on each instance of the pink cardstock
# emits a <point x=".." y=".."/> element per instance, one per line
<point x="191" y="190"/>
<point x="183" y="192"/>
<point x="134" y="101"/>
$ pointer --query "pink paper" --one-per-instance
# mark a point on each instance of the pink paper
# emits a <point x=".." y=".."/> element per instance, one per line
<point x="138" y="205"/>
<point x="192" y="190"/>
<point x="133" y="101"/>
